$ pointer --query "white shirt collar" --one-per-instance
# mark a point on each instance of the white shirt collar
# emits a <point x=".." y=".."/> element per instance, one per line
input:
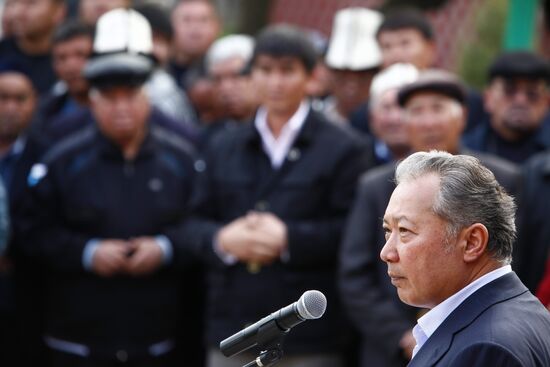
<point x="428" y="324"/>
<point x="278" y="148"/>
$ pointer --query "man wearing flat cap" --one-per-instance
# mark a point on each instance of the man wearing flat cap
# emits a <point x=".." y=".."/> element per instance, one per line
<point x="435" y="118"/>
<point x="105" y="207"/>
<point x="517" y="102"/>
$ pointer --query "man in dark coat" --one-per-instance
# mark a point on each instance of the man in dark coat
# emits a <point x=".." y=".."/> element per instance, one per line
<point x="20" y="148"/>
<point x="449" y="230"/>
<point x="435" y="118"/>
<point x="533" y="250"/>
<point x="34" y="23"/>
<point x="274" y="198"/>
<point x="518" y="125"/>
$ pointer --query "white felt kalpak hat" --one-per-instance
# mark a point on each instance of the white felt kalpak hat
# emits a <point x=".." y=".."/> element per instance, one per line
<point x="123" y="46"/>
<point x="353" y="44"/>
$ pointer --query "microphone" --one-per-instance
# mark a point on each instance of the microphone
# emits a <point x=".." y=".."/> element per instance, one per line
<point x="272" y="328"/>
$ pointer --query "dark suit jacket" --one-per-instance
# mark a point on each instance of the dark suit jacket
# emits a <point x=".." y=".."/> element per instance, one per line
<point x="369" y="297"/>
<point x="312" y="193"/>
<point x="502" y="324"/>
<point x="534" y="222"/>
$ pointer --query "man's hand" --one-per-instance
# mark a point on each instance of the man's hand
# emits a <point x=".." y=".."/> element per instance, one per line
<point x="255" y="238"/>
<point x="242" y="239"/>
<point x="146" y="256"/>
<point x="110" y="257"/>
<point x="272" y="229"/>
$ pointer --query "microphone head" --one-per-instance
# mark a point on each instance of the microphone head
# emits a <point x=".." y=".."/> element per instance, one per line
<point x="312" y="305"/>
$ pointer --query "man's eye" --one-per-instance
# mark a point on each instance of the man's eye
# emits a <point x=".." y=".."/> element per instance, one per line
<point x="387" y="233"/>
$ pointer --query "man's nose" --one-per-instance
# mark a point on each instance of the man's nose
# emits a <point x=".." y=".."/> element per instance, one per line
<point x="388" y="252"/>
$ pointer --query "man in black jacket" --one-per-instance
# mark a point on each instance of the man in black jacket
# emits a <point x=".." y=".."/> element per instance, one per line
<point x="533" y="250"/>
<point x="518" y="124"/>
<point x="103" y="216"/>
<point x="274" y="197"/>
<point x="18" y="151"/>
<point x="435" y="118"/>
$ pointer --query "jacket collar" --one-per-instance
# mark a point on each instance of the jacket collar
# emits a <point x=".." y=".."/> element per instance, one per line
<point x="306" y="135"/>
<point x="499" y="290"/>
<point x="109" y="149"/>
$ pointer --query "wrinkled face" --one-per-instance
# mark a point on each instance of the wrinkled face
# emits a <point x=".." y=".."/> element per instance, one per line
<point x="281" y="82"/>
<point x="424" y="263"/>
<point x="387" y="122"/>
<point x="17" y="105"/>
<point x="196" y="26"/>
<point x="235" y="91"/>
<point x="36" y="18"/>
<point x="91" y="10"/>
<point x="69" y="58"/>
<point x="434" y="121"/>
<point x="406" y="45"/>
<point x="517" y="106"/>
<point x="121" y="112"/>
<point x="350" y="88"/>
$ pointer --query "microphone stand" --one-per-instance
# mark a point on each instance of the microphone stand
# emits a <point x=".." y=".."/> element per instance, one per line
<point x="271" y="342"/>
<point x="266" y="358"/>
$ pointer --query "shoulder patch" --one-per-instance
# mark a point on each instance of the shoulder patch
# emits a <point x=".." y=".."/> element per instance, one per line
<point x="38" y="172"/>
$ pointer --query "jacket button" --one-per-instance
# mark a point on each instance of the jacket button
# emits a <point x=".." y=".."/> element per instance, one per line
<point x="122" y="356"/>
<point x="262" y="206"/>
<point x="294" y="154"/>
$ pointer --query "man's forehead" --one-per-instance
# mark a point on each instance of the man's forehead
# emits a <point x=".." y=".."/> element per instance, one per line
<point x="419" y="187"/>
<point x="427" y="97"/>
<point x="277" y="59"/>
<point x="18" y="78"/>
<point x="121" y="89"/>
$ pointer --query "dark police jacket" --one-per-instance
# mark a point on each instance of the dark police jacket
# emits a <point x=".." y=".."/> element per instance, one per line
<point x="370" y="299"/>
<point x="311" y="193"/>
<point x="85" y="189"/>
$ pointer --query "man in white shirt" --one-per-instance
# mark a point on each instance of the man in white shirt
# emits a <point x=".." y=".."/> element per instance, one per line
<point x="449" y="233"/>
<point x="272" y="199"/>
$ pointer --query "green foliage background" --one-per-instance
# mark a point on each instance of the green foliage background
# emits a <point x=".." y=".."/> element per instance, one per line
<point x="478" y="52"/>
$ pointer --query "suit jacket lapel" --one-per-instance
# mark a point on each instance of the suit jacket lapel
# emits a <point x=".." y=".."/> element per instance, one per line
<point x="499" y="290"/>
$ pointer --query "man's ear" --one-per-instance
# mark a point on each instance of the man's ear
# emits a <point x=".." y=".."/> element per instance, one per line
<point x="475" y="239"/>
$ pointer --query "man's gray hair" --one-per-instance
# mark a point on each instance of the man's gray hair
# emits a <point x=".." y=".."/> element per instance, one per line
<point x="468" y="194"/>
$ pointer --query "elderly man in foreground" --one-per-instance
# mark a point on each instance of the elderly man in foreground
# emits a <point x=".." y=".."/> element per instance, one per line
<point x="449" y="232"/>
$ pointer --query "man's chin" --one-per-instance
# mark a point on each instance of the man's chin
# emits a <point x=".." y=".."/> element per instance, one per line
<point x="521" y="127"/>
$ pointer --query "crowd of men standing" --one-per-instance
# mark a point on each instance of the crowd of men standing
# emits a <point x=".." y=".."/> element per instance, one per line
<point x="163" y="187"/>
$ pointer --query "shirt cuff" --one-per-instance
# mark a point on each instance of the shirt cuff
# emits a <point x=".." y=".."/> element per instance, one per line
<point x="285" y="256"/>
<point x="226" y="258"/>
<point x="89" y="252"/>
<point x="166" y="246"/>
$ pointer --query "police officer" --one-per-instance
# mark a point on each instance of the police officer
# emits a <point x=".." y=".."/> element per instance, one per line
<point x="105" y="208"/>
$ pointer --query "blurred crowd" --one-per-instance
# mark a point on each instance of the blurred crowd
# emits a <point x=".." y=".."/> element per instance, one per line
<point x="165" y="185"/>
